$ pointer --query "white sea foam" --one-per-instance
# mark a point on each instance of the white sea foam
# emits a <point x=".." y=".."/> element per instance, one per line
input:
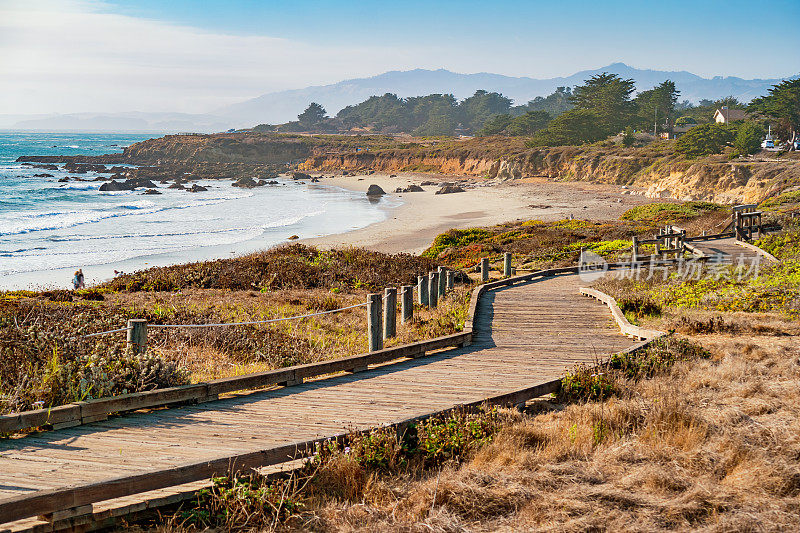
<point x="45" y="224"/>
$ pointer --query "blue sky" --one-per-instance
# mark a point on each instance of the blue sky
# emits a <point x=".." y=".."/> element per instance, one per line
<point x="194" y="56"/>
<point x="695" y="33"/>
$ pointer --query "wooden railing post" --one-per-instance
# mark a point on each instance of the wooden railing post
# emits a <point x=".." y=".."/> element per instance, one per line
<point x="635" y="249"/>
<point x="422" y="290"/>
<point x="485" y="269"/>
<point x="374" y="322"/>
<point x="507" y="264"/>
<point x="442" y="281"/>
<point x="137" y="335"/>
<point x="433" y="289"/>
<point x="406" y="304"/>
<point x="390" y="313"/>
<point x="451" y="280"/>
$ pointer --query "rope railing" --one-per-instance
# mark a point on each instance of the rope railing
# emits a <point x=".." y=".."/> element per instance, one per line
<point x="381" y="312"/>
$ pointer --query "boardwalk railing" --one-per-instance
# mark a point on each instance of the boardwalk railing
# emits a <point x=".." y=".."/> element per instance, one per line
<point x="631" y="330"/>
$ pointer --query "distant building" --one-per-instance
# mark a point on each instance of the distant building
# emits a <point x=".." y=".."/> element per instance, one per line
<point x="725" y="115"/>
<point x="676" y="131"/>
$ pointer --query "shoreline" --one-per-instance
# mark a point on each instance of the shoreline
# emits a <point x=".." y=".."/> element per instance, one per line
<point x="411" y="220"/>
<point x="424" y="215"/>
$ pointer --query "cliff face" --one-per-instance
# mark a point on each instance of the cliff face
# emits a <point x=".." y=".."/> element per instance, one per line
<point x="655" y="168"/>
<point x="660" y="175"/>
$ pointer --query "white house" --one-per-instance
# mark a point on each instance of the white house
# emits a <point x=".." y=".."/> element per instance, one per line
<point x="725" y="115"/>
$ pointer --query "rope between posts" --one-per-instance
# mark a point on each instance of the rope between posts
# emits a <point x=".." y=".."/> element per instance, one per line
<point x="256" y="321"/>
<point x="220" y="324"/>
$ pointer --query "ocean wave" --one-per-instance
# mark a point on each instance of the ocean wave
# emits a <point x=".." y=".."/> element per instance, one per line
<point x="292" y="220"/>
<point x="78" y="238"/>
<point x="47" y="221"/>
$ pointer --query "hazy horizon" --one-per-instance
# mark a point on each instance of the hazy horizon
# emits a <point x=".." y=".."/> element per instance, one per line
<point x="74" y="56"/>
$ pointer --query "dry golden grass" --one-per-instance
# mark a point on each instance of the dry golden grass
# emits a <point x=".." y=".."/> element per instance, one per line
<point x="210" y="353"/>
<point x="712" y="445"/>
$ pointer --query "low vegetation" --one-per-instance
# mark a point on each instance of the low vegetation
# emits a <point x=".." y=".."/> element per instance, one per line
<point x="676" y="437"/>
<point x="762" y="288"/>
<point x="670" y="213"/>
<point x="46" y="361"/>
<point x="293" y="266"/>
<point x="537" y="244"/>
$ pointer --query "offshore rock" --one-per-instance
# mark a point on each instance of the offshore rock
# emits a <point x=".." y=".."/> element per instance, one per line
<point x="247" y="183"/>
<point x="116" y="186"/>
<point x="374" y="190"/>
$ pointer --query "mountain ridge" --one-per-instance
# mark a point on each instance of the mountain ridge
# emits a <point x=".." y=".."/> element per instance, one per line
<point x="283" y="106"/>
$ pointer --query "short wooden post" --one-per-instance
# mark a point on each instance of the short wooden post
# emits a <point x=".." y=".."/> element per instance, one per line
<point x="406" y="303"/>
<point x="737" y="225"/>
<point x="137" y="335"/>
<point x="442" y="281"/>
<point x="390" y="313"/>
<point x="485" y="269"/>
<point x="451" y="280"/>
<point x="433" y="289"/>
<point x="422" y="290"/>
<point x="635" y="249"/>
<point x="580" y="257"/>
<point x="507" y="264"/>
<point x="374" y="322"/>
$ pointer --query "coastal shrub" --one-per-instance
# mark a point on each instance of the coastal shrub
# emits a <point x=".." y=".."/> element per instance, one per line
<point x="748" y="139"/>
<point x="668" y="213"/>
<point x="242" y="501"/>
<point x="657" y="357"/>
<point x="292" y="266"/>
<point x="534" y="243"/>
<point x="705" y="139"/>
<point x="455" y="238"/>
<point x="726" y="288"/>
<point x="783" y="244"/>
<point x="783" y="203"/>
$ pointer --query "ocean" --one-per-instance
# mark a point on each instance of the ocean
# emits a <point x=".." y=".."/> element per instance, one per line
<point x="49" y="228"/>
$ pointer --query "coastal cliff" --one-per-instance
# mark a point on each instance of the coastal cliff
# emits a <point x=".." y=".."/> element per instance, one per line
<point x="659" y="173"/>
<point x="654" y="170"/>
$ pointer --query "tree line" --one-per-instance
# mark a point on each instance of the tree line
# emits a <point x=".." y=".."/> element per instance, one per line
<point x="603" y="106"/>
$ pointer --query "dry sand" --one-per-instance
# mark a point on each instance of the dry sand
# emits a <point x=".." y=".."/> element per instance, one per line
<point x="412" y="226"/>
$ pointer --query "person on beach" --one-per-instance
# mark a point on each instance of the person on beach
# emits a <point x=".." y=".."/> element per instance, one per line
<point x="77" y="280"/>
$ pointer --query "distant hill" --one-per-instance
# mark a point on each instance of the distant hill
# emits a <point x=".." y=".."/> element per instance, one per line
<point x="283" y="106"/>
<point x="278" y="107"/>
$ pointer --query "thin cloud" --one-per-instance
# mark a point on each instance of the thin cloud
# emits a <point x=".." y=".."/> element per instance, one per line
<point x="76" y="57"/>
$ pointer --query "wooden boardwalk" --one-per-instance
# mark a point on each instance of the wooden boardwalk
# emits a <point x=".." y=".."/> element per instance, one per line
<point x="524" y="335"/>
<point x="727" y="251"/>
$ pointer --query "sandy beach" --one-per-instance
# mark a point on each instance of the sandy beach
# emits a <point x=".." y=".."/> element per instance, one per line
<point x="412" y="226"/>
